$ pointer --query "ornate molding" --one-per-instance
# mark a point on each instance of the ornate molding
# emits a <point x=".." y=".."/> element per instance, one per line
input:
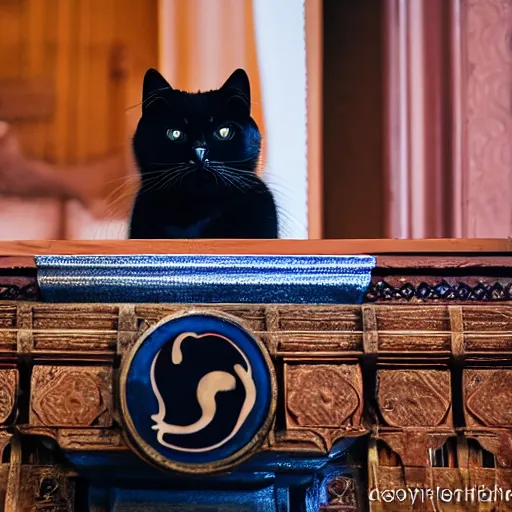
<point x="483" y="291"/>
<point x="380" y="371"/>
<point x="18" y="288"/>
<point x="8" y="393"/>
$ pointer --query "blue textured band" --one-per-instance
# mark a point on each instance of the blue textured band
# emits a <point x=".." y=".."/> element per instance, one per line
<point x="205" y="278"/>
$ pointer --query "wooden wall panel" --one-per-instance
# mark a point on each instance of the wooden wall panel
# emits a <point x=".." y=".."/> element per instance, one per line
<point x="91" y="56"/>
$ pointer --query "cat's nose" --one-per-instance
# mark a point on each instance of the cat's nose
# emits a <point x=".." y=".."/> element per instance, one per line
<point x="200" y="153"/>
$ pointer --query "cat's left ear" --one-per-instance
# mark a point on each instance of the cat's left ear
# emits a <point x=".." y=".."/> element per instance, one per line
<point x="240" y="91"/>
<point x="153" y="83"/>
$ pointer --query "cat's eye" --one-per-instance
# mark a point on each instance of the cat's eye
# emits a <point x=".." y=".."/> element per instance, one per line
<point x="224" y="133"/>
<point x="175" y="135"/>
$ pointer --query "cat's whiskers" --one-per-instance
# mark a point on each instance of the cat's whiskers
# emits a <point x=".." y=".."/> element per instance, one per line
<point x="240" y="172"/>
<point x="245" y="174"/>
<point x="168" y="174"/>
<point x="244" y="161"/>
<point x="249" y="178"/>
<point x="235" y="179"/>
<point x="212" y="171"/>
<point x="114" y="205"/>
<point x="155" y="185"/>
<point x="171" y="181"/>
<point x="244" y="184"/>
<point x="229" y="181"/>
<point x="186" y="173"/>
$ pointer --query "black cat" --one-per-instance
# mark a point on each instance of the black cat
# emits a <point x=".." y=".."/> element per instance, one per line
<point x="197" y="154"/>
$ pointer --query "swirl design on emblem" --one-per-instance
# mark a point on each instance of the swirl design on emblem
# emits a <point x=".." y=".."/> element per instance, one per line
<point x="188" y="352"/>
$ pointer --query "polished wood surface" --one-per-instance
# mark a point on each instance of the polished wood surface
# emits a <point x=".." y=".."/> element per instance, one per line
<point x="369" y="246"/>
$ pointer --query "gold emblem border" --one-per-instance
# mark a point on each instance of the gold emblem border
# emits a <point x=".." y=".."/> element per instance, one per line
<point x="152" y="456"/>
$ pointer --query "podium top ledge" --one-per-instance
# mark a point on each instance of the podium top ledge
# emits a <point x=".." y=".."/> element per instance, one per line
<point x="375" y="247"/>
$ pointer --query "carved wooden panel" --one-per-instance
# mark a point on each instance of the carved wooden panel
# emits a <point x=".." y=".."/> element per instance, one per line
<point x="322" y="355"/>
<point x="409" y="398"/>
<point x="71" y="396"/>
<point x="488" y="397"/>
<point x="341" y="494"/>
<point x="414" y="446"/>
<point x="91" y="439"/>
<point x="45" y="489"/>
<point x="323" y="396"/>
<point x="8" y="391"/>
<point x="498" y="442"/>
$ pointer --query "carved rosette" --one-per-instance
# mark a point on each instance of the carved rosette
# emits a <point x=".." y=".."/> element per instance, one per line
<point x="71" y="396"/>
<point x="414" y="398"/>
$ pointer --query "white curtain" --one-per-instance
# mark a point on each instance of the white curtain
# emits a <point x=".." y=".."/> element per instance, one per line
<point x="281" y="47"/>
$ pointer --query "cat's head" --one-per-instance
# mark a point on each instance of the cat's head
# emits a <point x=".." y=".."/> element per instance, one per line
<point x="197" y="137"/>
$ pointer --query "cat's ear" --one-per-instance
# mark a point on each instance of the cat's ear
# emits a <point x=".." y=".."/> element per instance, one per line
<point x="239" y="89"/>
<point x="153" y="83"/>
<point x="239" y="81"/>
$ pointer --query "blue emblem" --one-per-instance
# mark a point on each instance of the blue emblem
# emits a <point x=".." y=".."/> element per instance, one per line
<point x="197" y="393"/>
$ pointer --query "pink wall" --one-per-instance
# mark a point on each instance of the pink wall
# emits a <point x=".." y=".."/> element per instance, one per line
<point x="448" y="87"/>
<point x="489" y="118"/>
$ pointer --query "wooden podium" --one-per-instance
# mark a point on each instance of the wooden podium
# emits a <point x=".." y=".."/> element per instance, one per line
<point x="256" y="376"/>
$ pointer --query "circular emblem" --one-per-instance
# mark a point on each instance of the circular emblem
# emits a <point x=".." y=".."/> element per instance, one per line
<point x="197" y="393"/>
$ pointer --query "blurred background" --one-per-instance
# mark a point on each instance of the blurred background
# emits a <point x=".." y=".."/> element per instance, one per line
<point x="381" y="118"/>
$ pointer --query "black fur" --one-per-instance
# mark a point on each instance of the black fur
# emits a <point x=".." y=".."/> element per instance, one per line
<point x="183" y="195"/>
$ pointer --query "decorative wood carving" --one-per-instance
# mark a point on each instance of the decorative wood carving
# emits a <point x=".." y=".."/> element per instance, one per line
<point x="496" y="441"/>
<point x="488" y="397"/>
<point x="45" y="489"/>
<point x="408" y="398"/>
<point x="323" y="396"/>
<point x="71" y="396"/>
<point x="414" y="447"/>
<point x="341" y="495"/>
<point x="482" y="290"/>
<point x="8" y="391"/>
<point x="18" y="288"/>
<point x="91" y="439"/>
<point x="408" y="357"/>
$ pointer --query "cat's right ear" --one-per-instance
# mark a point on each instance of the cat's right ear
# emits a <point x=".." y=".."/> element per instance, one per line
<point x="153" y="83"/>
